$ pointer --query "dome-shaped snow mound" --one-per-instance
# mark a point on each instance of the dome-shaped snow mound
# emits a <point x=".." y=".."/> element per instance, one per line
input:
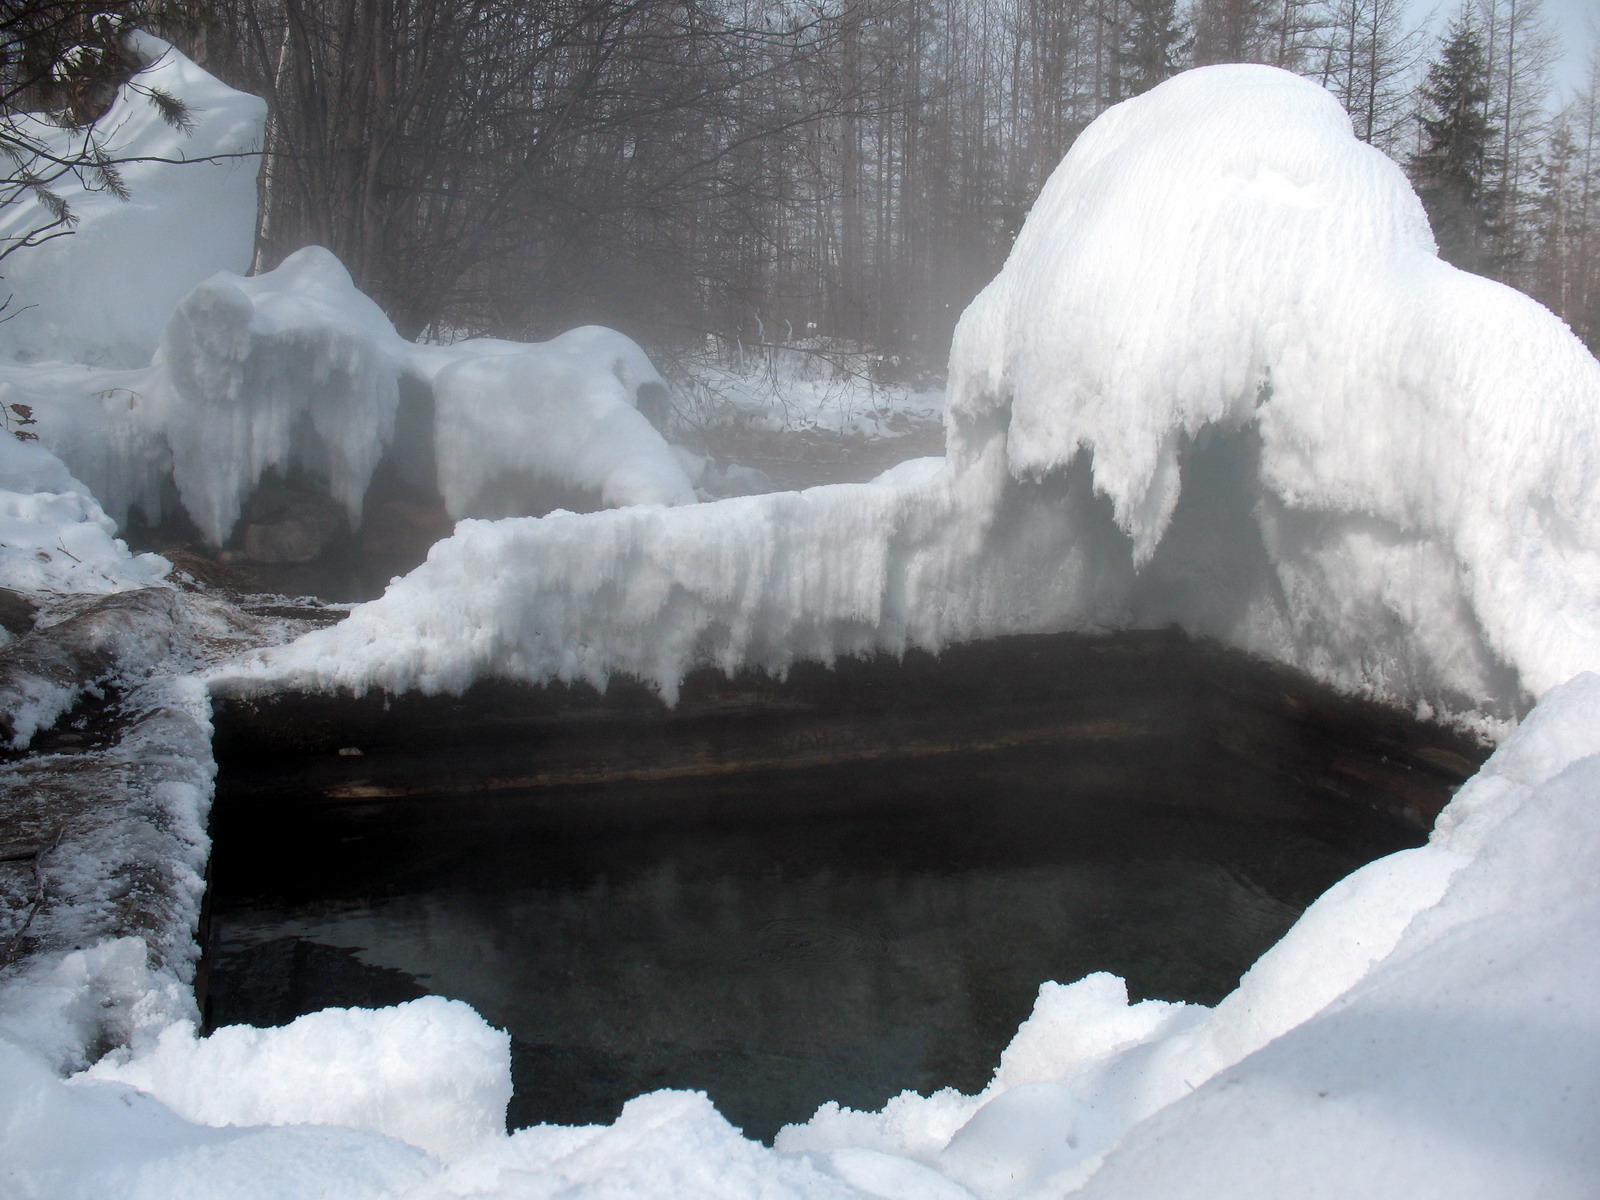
<point x="1222" y="251"/>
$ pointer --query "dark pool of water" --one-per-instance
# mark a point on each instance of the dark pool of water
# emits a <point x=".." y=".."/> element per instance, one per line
<point x="781" y="937"/>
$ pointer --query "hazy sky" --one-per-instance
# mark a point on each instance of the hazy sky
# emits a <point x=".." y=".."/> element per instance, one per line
<point x="1573" y="21"/>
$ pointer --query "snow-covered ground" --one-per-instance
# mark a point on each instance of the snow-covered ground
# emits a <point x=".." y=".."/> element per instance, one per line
<point x="800" y="385"/>
<point x="1223" y="380"/>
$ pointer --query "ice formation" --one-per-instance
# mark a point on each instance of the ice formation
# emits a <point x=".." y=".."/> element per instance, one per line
<point x="1222" y="380"/>
<point x="102" y="294"/>
<point x="296" y="370"/>
<point x="1231" y="261"/>
<point x="570" y="405"/>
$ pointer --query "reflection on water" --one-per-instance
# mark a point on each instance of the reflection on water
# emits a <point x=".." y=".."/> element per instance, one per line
<point x="839" y="933"/>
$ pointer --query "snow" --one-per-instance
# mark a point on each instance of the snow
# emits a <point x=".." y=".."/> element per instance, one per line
<point x="55" y="540"/>
<point x="102" y="294"/>
<point x="1222" y="380"/>
<point x="759" y="580"/>
<point x="428" y="1072"/>
<point x="575" y="398"/>
<point x="174" y="366"/>
<point x="1372" y="466"/>
<point x="296" y="371"/>
<point x="1427" y="438"/>
<point x="294" y="368"/>
<point x="805" y="384"/>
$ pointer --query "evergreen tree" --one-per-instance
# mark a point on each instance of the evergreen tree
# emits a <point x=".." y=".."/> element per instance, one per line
<point x="1153" y="42"/>
<point x="1228" y="31"/>
<point x="1455" y="158"/>
<point x="1559" y="210"/>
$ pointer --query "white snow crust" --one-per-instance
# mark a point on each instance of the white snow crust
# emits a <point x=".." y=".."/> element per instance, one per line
<point x="1222" y="380"/>
<point x="102" y="294"/>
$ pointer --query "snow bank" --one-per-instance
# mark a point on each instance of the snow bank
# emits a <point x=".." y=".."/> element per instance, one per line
<point x="428" y="1072"/>
<point x="759" y="580"/>
<point x="1222" y="254"/>
<point x="516" y="425"/>
<point x="102" y="294"/>
<point x="55" y="539"/>
<point x="108" y="910"/>
<point x="294" y="368"/>
<point x="59" y="549"/>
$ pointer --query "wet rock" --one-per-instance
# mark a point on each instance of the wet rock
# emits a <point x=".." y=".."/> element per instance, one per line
<point x="404" y="528"/>
<point x="287" y="524"/>
<point x="43" y="673"/>
<point x="16" y="612"/>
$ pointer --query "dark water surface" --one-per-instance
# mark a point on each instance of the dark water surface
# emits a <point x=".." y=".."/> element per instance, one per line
<point x="874" y="916"/>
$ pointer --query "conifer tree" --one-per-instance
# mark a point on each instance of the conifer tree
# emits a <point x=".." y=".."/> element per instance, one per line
<point x="1558" y="206"/>
<point x="1153" y="42"/>
<point x="1455" y="158"/>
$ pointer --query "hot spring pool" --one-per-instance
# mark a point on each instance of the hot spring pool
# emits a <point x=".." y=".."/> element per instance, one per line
<point x="836" y="888"/>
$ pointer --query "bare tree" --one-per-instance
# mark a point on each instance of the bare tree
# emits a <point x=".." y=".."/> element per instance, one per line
<point x="1368" y="59"/>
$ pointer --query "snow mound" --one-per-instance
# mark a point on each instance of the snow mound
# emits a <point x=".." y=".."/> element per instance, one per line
<point x="429" y="1072"/>
<point x="294" y="368"/>
<point x="557" y="418"/>
<point x="1221" y="253"/>
<point x="55" y="540"/>
<point x="102" y="294"/>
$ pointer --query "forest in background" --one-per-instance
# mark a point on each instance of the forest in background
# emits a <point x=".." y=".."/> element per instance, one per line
<point x="764" y="171"/>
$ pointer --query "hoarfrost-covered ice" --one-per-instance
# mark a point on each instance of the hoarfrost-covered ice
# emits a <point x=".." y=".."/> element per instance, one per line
<point x="575" y="398"/>
<point x="295" y="370"/>
<point x="810" y="384"/>
<point x="1222" y="380"/>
